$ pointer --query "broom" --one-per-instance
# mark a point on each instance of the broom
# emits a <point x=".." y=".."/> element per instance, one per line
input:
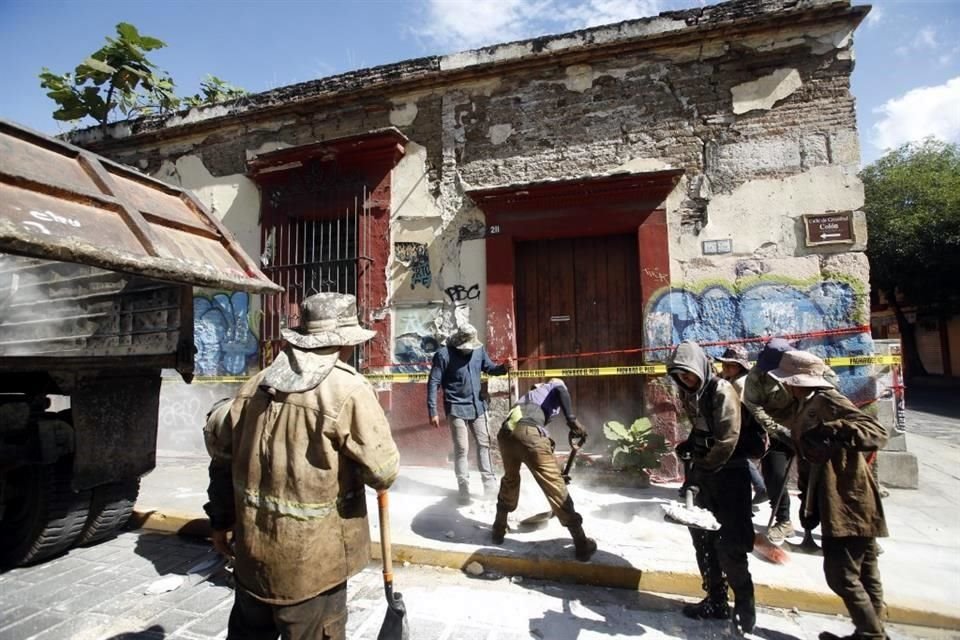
<point x="761" y="544"/>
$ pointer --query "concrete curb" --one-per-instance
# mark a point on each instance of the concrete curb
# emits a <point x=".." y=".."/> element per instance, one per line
<point x="623" y="577"/>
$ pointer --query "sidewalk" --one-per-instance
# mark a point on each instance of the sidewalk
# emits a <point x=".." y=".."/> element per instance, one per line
<point x="637" y="548"/>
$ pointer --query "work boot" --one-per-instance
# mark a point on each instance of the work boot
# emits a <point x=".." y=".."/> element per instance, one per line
<point x="499" y="526"/>
<point x="706" y="609"/>
<point x="780" y="532"/>
<point x="584" y="547"/>
<point x="463" y="495"/>
<point x="491" y="490"/>
<point x="826" y="635"/>
<point x="761" y="497"/>
<point x="744" y="615"/>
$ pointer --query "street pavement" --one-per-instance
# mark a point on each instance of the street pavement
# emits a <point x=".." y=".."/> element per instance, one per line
<point x="99" y="593"/>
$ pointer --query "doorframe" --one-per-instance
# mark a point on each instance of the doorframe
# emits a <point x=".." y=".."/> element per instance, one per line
<point x="616" y="204"/>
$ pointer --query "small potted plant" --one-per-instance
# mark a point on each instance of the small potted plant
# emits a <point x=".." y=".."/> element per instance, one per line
<point x="635" y="449"/>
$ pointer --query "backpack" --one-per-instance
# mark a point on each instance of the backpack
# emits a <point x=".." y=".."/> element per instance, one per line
<point x="753" y="439"/>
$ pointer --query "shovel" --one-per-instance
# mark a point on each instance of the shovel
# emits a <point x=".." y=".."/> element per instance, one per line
<point x="690" y="515"/>
<point x="575" y="445"/>
<point x="395" y="625"/>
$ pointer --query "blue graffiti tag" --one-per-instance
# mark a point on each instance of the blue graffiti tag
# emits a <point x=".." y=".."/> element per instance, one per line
<point x="717" y="313"/>
<point x="225" y="344"/>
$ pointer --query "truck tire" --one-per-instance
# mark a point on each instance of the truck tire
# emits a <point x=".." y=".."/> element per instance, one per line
<point x="44" y="517"/>
<point x="110" y="508"/>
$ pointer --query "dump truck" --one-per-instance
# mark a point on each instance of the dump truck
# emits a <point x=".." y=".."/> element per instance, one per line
<point x="97" y="265"/>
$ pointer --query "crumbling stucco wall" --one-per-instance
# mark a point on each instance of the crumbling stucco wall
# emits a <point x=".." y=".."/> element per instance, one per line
<point x="762" y="125"/>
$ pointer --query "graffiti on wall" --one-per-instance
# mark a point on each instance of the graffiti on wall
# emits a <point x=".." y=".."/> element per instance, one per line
<point x="766" y="307"/>
<point x="418" y="332"/>
<point x="225" y="343"/>
<point x="459" y="293"/>
<point x="758" y="308"/>
<point x="415" y="257"/>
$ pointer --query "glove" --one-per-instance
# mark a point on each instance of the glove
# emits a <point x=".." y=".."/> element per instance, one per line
<point x="576" y="429"/>
<point x="818" y="444"/>
<point x="684" y="450"/>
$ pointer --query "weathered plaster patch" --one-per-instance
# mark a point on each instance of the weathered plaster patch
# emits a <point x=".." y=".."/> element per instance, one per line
<point x="776" y="204"/>
<point x="403" y="114"/>
<point x="266" y="147"/>
<point x="765" y="92"/>
<point x="410" y="190"/>
<point x="483" y="56"/>
<point x="499" y="132"/>
<point x="198" y="114"/>
<point x="641" y="165"/>
<point x="829" y="42"/>
<point x="579" y="77"/>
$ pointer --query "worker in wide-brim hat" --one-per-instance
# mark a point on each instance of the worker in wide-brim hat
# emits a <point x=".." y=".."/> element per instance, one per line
<point x="290" y="458"/>
<point x="833" y="439"/>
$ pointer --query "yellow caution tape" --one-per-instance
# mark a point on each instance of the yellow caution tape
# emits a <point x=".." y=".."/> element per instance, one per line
<point x="634" y="370"/>
<point x="858" y="361"/>
<point x="579" y="372"/>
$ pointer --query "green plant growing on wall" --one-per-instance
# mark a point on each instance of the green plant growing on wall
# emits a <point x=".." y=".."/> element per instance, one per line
<point x="214" y="90"/>
<point x="634" y="448"/>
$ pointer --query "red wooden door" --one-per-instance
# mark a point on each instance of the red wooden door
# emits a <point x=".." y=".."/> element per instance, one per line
<point x="580" y="296"/>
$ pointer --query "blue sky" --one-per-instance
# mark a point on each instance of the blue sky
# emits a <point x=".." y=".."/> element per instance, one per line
<point x="907" y="77"/>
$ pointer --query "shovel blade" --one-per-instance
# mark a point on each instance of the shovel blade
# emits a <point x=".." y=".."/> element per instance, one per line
<point x="395" y="625"/>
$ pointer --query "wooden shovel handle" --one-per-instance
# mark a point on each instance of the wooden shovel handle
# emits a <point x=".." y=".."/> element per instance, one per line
<point x="383" y="507"/>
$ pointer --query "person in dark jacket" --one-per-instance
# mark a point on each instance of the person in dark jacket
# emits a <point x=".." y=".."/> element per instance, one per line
<point x="832" y="437"/>
<point x="456" y="369"/>
<point x="719" y="469"/>
<point x="524" y="440"/>
<point x="770" y="404"/>
<point x="735" y="364"/>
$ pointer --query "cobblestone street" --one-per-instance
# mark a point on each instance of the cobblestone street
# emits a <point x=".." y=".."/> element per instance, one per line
<point x="98" y="593"/>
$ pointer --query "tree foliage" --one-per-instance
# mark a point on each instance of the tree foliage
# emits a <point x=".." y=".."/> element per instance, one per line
<point x="120" y="77"/>
<point x="913" y="215"/>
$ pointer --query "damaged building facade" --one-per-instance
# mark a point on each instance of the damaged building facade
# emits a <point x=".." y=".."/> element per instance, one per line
<point x="585" y="200"/>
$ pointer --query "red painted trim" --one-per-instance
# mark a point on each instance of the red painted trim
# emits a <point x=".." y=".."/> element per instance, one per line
<point x="593" y="207"/>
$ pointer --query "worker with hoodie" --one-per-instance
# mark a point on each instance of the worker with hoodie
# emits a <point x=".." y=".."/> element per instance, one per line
<point x="718" y="467"/>
<point x="833" y="437"/>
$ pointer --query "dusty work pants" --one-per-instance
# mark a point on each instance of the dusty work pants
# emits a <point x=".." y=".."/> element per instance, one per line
<point x="774" y="466"/>
<point x="722" y="554"/>
<point x="459" y="429"/>
<point x="323" y="617"/>
<point x="525" y="445"/>
<point x="851" y="569"/>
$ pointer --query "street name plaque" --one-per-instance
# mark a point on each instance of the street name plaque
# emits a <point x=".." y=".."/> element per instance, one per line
<point x="830" y="228"/>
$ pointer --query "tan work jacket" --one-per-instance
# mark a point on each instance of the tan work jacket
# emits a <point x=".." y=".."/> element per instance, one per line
<point x="847" y="496"/>
<point x="299" y="465"/>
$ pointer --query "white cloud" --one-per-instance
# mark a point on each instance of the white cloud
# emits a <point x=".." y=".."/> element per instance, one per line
<point x="596" y="12"/>
<point x="467" y="24"/>
<point x="925" y="38"/>
<point x="922" y="112"/>
<point x="875" y="16"/>
<point x="456" y="25"/>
